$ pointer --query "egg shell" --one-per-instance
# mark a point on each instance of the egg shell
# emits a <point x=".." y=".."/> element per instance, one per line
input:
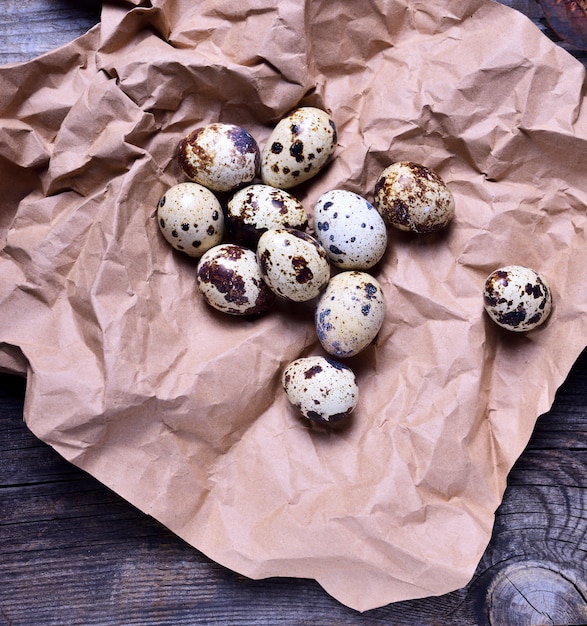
<point x="257" y="208"/>
<point x="323" y="389"/>
<point x="298" y="148"/>
<point x="190" y="218"/>
<point x="293" y="264"/>
<point x="222" y="157"/>
<point x="349" y="313"/>
<point x="350" y="229"/>
<point x="229" y="279"/>
<point x="517" y="298"/>
<point x="413" y="198"/>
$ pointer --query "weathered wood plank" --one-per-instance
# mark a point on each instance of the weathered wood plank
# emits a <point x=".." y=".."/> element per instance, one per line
<point x="31" y="27"/>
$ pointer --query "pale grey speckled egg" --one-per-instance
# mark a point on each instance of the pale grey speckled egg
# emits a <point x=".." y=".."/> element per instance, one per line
<point x="190" y="218"/>
<point x="257" y="208"/>
<point x="293" y="264"/>
<point x="222" y="157"/>
<point x="350" y="229"/>
<point x="413" y="198"/>
<point x="349" y="313"/>
<point x="298" y="148"/>
<point x="229" y="278"/>
<point x="323" y="389"/>
<point x="517" y="298"/>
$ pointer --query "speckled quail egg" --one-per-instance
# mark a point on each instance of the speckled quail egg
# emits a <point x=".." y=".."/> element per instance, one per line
<point x="229" y="278"/>
<point x="222" y="157"/>
<point x="323" y="389"/>
<point x="413" y="198"/>
<point x="298" y="148"/>
<point x="349" y="313"/>
<point x="190" y="218"/>
<point x="257" y="208"/>
<point x="517" y="298"/>
<point x="350" y="229"/>
<point x="293" y="263"/>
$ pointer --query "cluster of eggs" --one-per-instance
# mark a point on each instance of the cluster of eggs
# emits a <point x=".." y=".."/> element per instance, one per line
<point x="257" y="248"/>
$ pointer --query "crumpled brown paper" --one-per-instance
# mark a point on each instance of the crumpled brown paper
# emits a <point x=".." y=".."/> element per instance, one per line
<point x="180" y="409"/>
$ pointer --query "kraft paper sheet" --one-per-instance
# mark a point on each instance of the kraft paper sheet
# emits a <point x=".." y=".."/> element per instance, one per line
<point x="178" y="408"/>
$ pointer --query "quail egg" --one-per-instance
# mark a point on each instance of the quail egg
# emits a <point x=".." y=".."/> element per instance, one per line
<point x="298" y="148"/>
<point x="257" y="208"/>
<point x="222" y="157"/>
<point x="323" y="389"/>
<point x="350" y="229"/>
<point x="190" y="218"/>
<point x="229" y="278"/>
<point x="293" y="263"/>
<point x="517" y="298"/>
<point x="413" y="198"/>
<point x="349" y="313"/>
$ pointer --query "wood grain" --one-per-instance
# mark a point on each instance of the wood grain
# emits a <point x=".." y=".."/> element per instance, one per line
<point x="73" y="552"/>
<point x="31" y="27"/>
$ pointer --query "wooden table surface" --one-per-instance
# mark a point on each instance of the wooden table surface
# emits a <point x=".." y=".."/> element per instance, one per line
<point x="73" y="552"/>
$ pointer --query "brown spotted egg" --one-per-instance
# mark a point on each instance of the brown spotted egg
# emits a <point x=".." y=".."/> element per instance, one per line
<point x="517" y="298"/>
<point x="323" y="389"/>
<point x="293" y="263"/>
<point x="349" y="313"/>
<point x="190" y="218"/>
<point x="413" y="198"/>
<point x="350" y="229"/>
<point x="229" y="279"/>
<point x="298" y="148"/>
<point x="222" y="157"/>
<point x="256" y="208"/>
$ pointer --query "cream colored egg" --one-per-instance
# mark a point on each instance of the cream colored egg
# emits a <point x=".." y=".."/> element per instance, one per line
<point x="229" y="278"/>
<point x="257" y="208"/>
<point x="323" y="389"/>
<point x="350" y="229"/>
<point x="293" y="264"/>
<point x="349" y="313"/>
<point x="190" y="218"/>
<point x="298" y="148"/>
<point x="222" y="157"/>
<point x="412" y="197"/>
<point x="517" y="298"/>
